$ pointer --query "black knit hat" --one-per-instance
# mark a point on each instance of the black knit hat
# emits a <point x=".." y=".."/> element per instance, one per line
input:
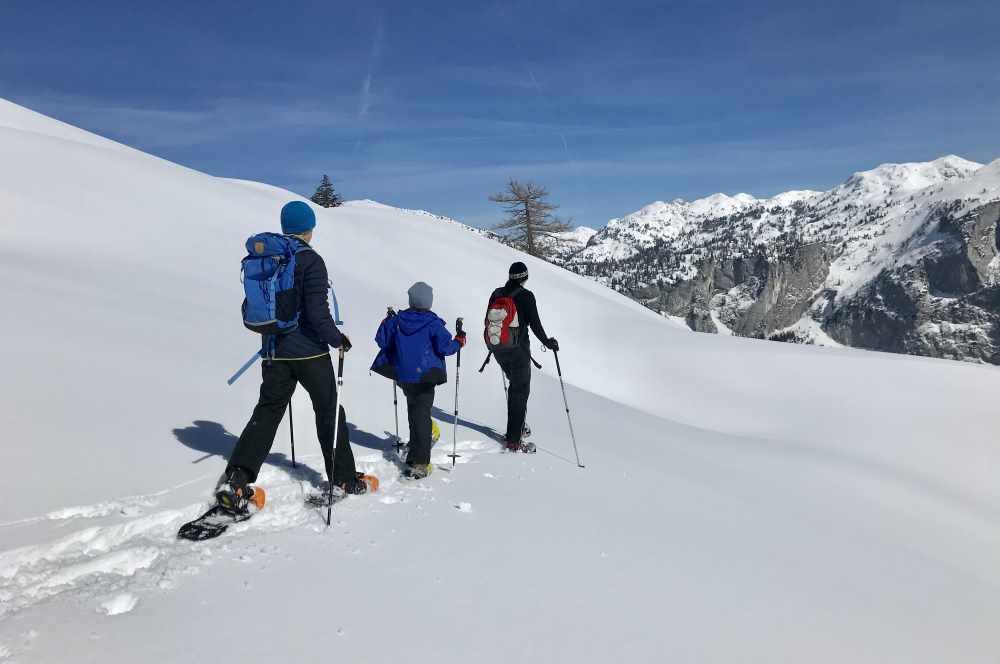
<point x="518" y="270"/>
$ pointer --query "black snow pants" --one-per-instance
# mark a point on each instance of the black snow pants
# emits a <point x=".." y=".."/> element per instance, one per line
<point x="419" y="401"/>
<point x="516" y="364"/>
<point x="279" y="379"/>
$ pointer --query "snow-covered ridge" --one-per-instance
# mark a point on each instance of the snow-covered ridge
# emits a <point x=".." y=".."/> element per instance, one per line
<point x="910" y="177"/>
<point x="890" y="218"/>
<point x="579" y="235"/>
<point x="659" y="221"/>
<point x="18" y="118"/>
<point x="624" y="236"/>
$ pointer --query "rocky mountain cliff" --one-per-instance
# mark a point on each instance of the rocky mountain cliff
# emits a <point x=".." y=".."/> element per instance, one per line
<point x="900" y="258"/>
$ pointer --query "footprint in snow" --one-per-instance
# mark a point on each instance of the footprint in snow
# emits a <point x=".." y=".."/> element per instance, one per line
<point x="464" y="507"/>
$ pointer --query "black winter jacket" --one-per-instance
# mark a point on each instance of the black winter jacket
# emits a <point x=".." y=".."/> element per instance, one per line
<point x="317" y="332"/>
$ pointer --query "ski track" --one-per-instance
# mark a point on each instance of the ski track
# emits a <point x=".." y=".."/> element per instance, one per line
<point x="112" y="566"/>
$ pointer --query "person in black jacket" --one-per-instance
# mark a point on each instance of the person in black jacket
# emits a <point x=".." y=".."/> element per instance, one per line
<point x="516" y="361"/>
<point x="301" y="356"/>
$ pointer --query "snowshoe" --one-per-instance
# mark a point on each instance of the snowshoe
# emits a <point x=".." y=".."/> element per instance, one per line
<point x="324" y="498"/>
<point x="359" y="485"/>
<point x="418" y="471"/>
<point x="235" y="501"/>
<point x="520" y="446"/>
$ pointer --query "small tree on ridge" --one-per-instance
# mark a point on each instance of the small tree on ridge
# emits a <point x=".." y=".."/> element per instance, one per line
<point x="529" y="218"/>
<point x="325" y="195"/>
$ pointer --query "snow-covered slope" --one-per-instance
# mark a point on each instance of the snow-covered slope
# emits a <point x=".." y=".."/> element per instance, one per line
<point x="741" y="500"/>
<point x="565" y="245"/>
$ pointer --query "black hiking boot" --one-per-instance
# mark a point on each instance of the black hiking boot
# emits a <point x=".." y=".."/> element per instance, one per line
<point x="418" y="471"/>
<point x="360" y="484"/>
<point x="235" y="495"/>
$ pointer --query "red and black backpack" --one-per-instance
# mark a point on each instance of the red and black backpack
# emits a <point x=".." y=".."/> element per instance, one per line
<point x="503" y="327"/>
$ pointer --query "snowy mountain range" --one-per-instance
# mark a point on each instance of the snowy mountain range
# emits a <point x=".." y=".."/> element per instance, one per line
<point x="899" y="258"/>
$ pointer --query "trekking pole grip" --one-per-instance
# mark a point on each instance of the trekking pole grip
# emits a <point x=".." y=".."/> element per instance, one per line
<point x="458" y="366"/>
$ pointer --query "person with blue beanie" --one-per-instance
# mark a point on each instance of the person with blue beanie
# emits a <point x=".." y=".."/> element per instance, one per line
<point x="413" y="345"/>
<point x="300" y="357"/>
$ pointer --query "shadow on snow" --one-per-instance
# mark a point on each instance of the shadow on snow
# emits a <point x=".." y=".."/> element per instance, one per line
<point x="212" y="439"/>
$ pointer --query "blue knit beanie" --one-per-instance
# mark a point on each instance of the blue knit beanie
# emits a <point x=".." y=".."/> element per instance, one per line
<point x="297" y="217"/>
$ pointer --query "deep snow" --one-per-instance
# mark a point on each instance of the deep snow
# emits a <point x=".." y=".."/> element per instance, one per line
<point x="742" y="501"/>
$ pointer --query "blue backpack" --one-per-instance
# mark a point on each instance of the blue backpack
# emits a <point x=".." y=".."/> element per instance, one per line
<point x="271" y="305"/>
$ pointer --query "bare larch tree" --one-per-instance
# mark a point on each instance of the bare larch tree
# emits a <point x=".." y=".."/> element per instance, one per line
<point x="529" y="217"/>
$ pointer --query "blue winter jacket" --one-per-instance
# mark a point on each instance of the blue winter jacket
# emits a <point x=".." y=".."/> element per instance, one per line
<point x="413" y="346"/>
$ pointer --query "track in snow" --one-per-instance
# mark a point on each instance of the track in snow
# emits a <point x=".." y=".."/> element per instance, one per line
<point x="113" y="565"/>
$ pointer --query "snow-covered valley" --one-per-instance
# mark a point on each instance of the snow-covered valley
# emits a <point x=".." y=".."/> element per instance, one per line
<point x="741" y="501"/>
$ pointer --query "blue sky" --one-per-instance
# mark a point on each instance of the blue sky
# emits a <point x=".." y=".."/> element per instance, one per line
<point x="433" y="105"/>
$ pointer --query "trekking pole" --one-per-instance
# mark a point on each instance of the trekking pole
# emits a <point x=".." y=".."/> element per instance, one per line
<point x="266" y="351"/>
<point x="336" y="306"/>
<point x="395" y="405"/>
<point x="566" y="403"/>
<point x="336" y="429"/>
<point x="389" y="313"/>
<point x="242" y="370"/>
<point x="291" y="430"/>
<point x="458" y="368"/>
<point x="503" y="377"/>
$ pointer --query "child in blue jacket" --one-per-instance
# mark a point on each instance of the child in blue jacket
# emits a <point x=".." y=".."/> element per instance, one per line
<point x="413" y="346"/>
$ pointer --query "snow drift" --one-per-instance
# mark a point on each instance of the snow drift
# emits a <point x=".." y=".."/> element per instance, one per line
<point x="741" y="501"/>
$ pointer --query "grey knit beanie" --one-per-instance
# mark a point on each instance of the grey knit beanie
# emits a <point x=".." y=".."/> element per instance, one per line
<point x="421" y="296"/>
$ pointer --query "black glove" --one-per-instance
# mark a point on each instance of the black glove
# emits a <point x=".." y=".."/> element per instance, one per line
<point x="552" y="344"/>
<point x="345" y="343"/>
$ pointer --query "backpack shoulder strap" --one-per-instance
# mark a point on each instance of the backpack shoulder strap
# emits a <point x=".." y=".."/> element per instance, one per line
<point x="298" y="246"/>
